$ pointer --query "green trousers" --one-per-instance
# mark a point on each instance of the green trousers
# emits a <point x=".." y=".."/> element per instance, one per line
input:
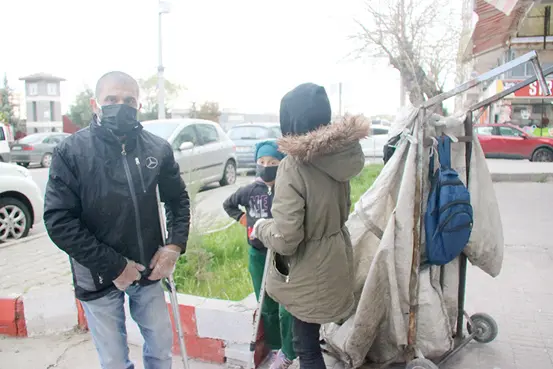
<point x="277" y="322"/>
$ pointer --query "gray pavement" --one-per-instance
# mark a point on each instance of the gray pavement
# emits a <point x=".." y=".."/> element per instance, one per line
<point x="67" y="351"/>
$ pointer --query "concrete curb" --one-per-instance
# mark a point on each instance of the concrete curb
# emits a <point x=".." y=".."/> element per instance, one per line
<point x="23" y="240"/>
<point x="522" y="177"/>
<point x="216" y="331"/>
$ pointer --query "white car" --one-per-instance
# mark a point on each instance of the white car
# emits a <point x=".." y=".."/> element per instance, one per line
<point x="203" y="150"/>
<point x="373" y="146"/>
<point x="21" y="202"/>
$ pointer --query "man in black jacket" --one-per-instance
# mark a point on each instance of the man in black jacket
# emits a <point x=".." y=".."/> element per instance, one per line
<point x="101" y="209"/>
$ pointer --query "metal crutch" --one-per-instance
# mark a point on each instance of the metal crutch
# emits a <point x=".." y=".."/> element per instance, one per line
<point x="258" y="315"/>
<point x="170" y="285"/>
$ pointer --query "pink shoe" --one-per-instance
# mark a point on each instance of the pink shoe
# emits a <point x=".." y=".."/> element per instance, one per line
<point x="281" y="361"/>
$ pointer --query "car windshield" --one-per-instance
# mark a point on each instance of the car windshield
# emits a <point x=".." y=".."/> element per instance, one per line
<point x="251" y="133"/>
<point x="161" y="129"/>
<point x="31" y="139"/>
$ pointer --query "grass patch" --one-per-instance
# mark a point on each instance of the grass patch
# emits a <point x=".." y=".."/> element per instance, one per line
<point x="216" y="265"/>
<point x="361" y="183"/>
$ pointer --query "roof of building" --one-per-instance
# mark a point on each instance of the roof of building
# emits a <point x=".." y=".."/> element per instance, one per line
<point x="494" y="28"/>
<point x="42" y="77"/>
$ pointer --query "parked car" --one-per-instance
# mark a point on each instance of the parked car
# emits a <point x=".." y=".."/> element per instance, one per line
<point x="204" y="152"/>
<point x="36" y="148"/>
<point x="506" y="141"/>
<point x="21" y="203"/>
<point x="4" y="144"/>
<point x="245" y="136"/>
<point x="373" y="146"/>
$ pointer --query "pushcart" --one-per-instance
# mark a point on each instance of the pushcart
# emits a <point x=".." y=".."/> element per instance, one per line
<point x="481" y="327"/>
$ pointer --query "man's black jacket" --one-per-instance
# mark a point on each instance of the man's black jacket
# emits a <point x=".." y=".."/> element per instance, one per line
<point x="101" y="204"/>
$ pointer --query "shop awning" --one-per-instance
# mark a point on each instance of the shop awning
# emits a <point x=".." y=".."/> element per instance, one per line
<point x="497" y="21"/>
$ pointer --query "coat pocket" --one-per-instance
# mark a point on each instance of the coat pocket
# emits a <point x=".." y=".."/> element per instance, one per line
<point x="281" y="267"/>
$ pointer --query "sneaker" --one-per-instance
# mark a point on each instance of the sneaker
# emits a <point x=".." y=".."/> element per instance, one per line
<point x="281" y="361"/>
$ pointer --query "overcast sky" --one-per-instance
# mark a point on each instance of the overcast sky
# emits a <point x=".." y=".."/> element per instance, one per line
<point x="243" y="53"/>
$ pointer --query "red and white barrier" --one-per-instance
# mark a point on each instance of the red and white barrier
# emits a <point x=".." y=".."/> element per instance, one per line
<point x="217" y="331"/>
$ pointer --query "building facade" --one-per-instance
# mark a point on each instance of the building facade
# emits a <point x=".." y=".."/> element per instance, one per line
<point x="43" y="103"/>
<point x="500" y="31"/>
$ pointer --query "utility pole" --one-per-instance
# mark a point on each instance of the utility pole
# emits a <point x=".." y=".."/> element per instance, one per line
<point x="340" y="99"/>
<point x="164" y="8"/>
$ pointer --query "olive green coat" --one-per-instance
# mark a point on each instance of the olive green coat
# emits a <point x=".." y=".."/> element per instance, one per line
<point x="312" y="272"/>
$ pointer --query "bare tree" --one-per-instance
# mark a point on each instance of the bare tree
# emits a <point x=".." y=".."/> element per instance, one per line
<point x="418" y="37"/>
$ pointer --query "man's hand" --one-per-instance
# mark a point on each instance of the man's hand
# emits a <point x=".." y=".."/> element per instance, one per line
<point x="243" y="220"/>
<point x="130" y="274"/>
<point x="164" y="261"/>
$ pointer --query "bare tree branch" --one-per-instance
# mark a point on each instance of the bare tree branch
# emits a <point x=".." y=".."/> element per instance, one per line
<point x="418" y="37"/>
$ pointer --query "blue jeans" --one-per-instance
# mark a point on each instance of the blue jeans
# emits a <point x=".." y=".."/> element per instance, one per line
<point x="307" y="345"/>
<point x="106" y="321"/>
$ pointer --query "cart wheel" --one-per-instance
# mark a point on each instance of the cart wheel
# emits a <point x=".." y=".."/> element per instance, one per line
<point x="486" y="328"/>
<point x="421" y="364"/>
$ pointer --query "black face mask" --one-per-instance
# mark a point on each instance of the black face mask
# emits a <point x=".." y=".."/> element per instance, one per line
<point x="267" y="174"/>
<point x="120" y="118"/>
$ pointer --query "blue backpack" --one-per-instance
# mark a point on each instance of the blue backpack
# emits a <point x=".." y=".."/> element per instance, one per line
<point x="448" y="218"/>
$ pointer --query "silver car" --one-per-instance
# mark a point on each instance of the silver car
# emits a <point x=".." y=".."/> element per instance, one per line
<point x="36" y="148"/>
<point x="373" y="146"/>
<point x="245" y="136"/>
<point x="203" y="150"/>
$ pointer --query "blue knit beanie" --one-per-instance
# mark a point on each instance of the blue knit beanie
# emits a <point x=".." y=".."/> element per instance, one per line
<point x="268" y="148"/>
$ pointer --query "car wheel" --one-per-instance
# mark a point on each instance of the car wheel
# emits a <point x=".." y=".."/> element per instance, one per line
<point x="229" y="175"/>
<point x="15" y="219"/>
<point x="543" y="155"/>
<point x="46" y="160"/>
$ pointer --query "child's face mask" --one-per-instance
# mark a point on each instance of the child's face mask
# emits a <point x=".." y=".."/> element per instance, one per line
<point x="267" y="174"/>
<point x="266" y="168"/>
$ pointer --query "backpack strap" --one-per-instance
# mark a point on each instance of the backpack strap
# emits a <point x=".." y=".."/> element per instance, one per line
<point x="444" y="151"/>
<point x="431" y="164"/>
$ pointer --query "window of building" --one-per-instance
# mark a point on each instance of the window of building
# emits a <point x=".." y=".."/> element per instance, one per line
<point x="33" y="89"/>
<point x="52" y="89"/>
<point x="52" y="112"/>
<point x="538" y="109"/>
<point x="34" y="112"/>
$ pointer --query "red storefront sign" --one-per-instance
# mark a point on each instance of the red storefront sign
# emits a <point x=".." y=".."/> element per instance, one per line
<point x="531" y="91"/>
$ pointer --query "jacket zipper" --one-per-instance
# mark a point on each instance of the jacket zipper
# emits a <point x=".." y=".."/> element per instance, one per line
<point x="135" y="205"/>
<point x="140" y="173"/>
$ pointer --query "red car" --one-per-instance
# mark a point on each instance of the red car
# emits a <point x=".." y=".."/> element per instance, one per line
<point x="505" y="141"/>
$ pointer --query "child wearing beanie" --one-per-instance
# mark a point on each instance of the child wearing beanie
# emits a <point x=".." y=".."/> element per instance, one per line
<point x="256" y="198"/>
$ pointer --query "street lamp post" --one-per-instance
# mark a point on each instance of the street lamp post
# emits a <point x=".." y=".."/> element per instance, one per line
<point x="164" y="8"/>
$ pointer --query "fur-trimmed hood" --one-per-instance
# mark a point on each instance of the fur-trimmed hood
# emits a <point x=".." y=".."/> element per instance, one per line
<point x="333" y="148"/>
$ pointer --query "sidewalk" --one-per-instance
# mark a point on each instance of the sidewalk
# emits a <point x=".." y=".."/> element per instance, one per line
<point x="66" y="351"/>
